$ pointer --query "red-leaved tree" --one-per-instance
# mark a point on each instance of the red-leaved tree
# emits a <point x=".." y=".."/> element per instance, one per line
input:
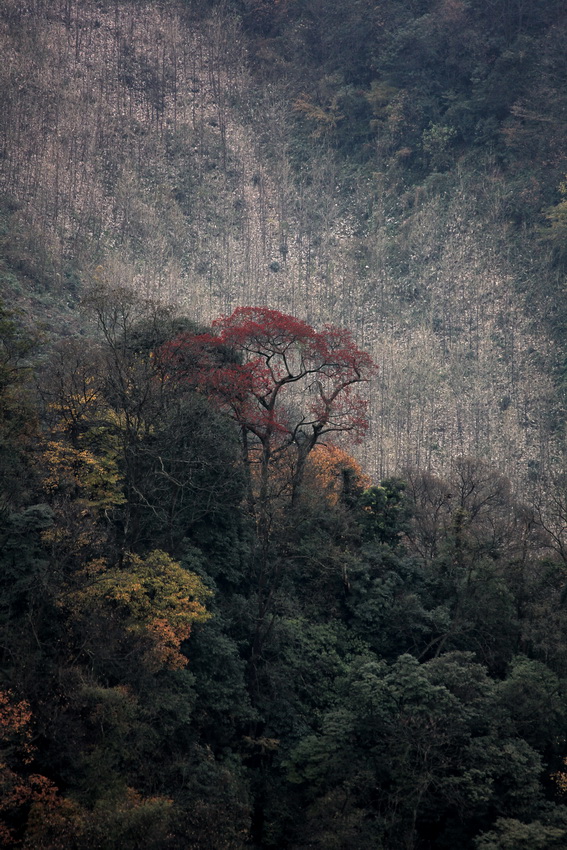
<point x="287" y="386"/>
<point x="284" y="383"/>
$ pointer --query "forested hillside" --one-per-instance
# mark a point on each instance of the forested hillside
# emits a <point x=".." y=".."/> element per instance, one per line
<point x="395" y="169"/>
<point x="282" y="439"/>
<point x="215" y="632"/>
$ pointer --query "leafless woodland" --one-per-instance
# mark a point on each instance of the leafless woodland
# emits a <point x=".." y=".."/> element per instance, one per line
<point x="137" y="147"/>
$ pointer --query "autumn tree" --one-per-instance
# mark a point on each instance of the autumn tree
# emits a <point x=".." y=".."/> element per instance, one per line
<point x="286" y="386"/>
<point x="154" y="600"/>
<point x="147" y="448"/>
<point x="22" y="788"/>
<point x="335" y="474"/>
<point x="290" y="386"/>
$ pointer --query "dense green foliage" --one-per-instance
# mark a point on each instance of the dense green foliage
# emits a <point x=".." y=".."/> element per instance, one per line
<point x="382" y="666"/>
<point x="428" y="83"/>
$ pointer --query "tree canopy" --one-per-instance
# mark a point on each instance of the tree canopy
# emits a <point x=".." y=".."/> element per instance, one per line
<point x="344" y="664"/>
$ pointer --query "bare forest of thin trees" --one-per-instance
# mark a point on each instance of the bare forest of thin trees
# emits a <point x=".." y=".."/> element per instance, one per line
<point x="136" y="148"/>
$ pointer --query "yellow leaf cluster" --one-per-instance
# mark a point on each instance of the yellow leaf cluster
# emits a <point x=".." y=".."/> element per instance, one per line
<point x="157" y="599"/>
<point x="95" y="477"/>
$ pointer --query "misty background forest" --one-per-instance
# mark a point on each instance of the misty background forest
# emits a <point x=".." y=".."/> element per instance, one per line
<point x="283" y="376"/>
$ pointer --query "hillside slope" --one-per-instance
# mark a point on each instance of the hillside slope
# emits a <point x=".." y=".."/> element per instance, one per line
<point x="201" y="155"/>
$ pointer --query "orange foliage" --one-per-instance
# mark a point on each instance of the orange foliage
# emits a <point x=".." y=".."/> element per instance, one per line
<point x="18" y="789"/>
<point x="35" y="815"/>
<point x="15" y="720"/>
<point x="328" y="469"/>
<point x="560" y="778"/>
<point x="166" y="639"/>
<point x="154" y="596"/>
